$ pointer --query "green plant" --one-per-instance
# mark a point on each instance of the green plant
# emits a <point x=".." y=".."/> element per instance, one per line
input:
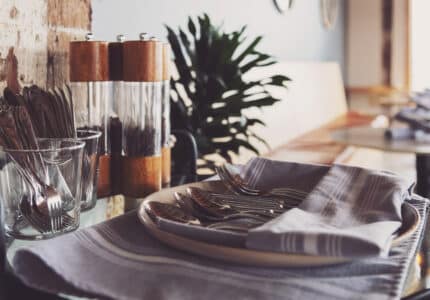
<point x="211" y="96"/>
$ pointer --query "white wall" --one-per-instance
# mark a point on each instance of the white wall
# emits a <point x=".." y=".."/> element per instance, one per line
<point x="296" y="35"/>
<point x="420" y="44"/>
<point x="400" y="59"/>
<point x="364" y="43"/>
<point x="315" y="97"/>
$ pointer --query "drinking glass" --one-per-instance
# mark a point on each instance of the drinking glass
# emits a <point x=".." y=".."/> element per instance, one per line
<point x="89" y="167"/>
<point x="41" y="188"/>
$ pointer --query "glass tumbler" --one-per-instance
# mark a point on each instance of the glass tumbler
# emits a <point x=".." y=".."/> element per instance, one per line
<point x="97" y="115"/>
<point x="141" y="163"/>
<point x="89" y="167"/>
<point x="41" y="188"/>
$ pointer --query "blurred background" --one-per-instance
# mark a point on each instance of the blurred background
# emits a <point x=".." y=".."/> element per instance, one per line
<point x="365" y="56"/>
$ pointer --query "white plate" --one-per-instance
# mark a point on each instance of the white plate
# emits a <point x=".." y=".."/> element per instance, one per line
<point x="243" y="255"/>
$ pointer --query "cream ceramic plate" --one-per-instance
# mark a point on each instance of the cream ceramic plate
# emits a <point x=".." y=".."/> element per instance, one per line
<point x="243" y="255"/>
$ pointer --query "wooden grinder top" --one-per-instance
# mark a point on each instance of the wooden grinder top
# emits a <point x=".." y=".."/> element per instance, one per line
<point x="143" y="60"/>
<point x="89" y="61"/>
<point x="166" y="61"/>
<point x="116" y="59"/>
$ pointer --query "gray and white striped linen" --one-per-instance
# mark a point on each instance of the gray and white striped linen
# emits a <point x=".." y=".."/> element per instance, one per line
<point x="349" y="211"/>
<point x="119" y="260"/>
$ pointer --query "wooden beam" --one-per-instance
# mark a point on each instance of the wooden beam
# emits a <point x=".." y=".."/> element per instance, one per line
<point x="387" y="41"/>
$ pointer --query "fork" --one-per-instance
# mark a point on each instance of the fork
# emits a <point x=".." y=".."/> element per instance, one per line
<point x="234" y="177"/>
<point x="236" y="184"/>
<point x="39" y="221"/>
<point x="239" y="201"/>
<point x="261" y="200"/>
<point x="51" y="200"/>
<point x="43" y="198"/>
<point x="188" y="205"/>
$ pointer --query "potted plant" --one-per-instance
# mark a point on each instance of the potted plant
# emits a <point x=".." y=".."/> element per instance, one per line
<point x="210" y="96"/>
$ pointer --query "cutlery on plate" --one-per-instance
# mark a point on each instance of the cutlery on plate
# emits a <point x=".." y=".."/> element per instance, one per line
<point x="230" y="175"/>
<point x="187" y="204"/>
<point x="170" y="212"/>
<point x="204" y="201"/>
<point x="263" y="202"/>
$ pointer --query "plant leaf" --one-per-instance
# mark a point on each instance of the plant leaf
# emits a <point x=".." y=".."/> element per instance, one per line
<point x="210" y="96"/>
<point x="191" y="27"/>
<point x="249" y="49"/>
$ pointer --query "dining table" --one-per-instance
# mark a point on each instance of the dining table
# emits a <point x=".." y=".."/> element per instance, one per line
<point x="418" y="279"/>
<point x="374" y="138"/>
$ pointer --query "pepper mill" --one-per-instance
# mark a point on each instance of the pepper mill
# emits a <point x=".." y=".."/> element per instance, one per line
<point x="116" y="76"/>
<point x="2" y="239"/>
<point x="165" y="119"/>
<point x="143" y="74"/>
<point x="90" y="80"/>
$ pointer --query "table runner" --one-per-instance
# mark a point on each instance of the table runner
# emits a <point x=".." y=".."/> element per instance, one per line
<point x="119" y="260"/>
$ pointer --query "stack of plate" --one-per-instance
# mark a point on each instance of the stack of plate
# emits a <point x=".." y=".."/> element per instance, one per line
<point x="207" y="241"/>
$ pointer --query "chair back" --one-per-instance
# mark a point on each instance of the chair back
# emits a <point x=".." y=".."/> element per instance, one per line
<point x="184" y="158"/>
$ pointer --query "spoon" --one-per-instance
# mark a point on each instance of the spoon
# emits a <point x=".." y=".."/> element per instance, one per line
<point x="187" y="204"/>
<point x="215" y="208"/>
<point x="170" y="212"/>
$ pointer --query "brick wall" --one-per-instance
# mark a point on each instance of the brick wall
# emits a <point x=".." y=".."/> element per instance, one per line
<point x="34" y="39"/>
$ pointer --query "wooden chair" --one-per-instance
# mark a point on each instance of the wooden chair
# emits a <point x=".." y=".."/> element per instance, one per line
<point x="184" y="158"/>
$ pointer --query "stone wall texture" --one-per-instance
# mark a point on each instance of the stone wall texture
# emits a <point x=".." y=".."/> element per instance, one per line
<point x="34" y="40"/>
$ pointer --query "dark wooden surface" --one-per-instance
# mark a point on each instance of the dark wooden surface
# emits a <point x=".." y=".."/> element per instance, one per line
<point x="89" y="61"/>
<point x="116" y="61"/>
<point x="143" y="61"/>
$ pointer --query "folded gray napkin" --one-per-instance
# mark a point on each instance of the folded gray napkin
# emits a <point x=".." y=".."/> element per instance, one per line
<point x="406" y="133"/>
<point x="399" y="133"/>
<point x="418" y="118"/>
<point x="118" y="259"/>
<point x="349" y="212"/>
<point x="422" y="99"/>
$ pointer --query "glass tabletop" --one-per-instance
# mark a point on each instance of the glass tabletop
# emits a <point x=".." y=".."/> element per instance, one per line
<point x="370" y="137"/>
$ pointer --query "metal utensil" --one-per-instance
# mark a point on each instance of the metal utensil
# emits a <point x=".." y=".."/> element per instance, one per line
<point x="211" y="205"/>
<point x="44" y="201"/>
<point x="231" y="177"/>
<point x="251" y="201"/>
<point x="187" y="204"/>
<point x="40" y="222"/>
<point x="45" y="198"/>
<point x="170" y="212"/>
<point x="217" y="209"/>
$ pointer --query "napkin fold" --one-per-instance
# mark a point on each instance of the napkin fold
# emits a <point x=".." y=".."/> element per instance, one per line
<point x="349" y="211"/>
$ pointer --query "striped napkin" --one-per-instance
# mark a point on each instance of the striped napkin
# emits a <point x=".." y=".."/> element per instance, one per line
<point x="407" y="133"/>
<point x="349" y="211"/>
<point x="118" y="259"/>
<point x="416" y="117"/>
